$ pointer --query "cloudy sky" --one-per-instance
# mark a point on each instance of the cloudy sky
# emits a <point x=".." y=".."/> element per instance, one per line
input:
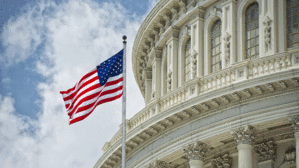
<point x="46" y="46"/>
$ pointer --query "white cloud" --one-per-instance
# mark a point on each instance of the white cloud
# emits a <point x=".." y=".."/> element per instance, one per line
<point x="6" y="80"/>
<point x="23" y="34"/>
<point x="78" y="35"/>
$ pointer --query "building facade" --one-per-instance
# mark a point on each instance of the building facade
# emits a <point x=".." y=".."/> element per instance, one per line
<point x="220" y="82"/>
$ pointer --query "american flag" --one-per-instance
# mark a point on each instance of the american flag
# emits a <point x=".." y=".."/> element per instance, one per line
<point x="101" y="85"/>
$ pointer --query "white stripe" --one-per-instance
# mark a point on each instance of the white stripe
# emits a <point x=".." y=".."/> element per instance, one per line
<point x="75" y="115"/>
<point x="100" y="91"/>
<point x="79" y="84"/>
<point x="91" y="84"/>
<point x="106" y="88"/>
<point x="82" y="89"/>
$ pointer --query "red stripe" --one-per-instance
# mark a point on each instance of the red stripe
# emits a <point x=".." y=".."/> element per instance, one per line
<point x="100" y="102"/>
<point x="91" y="96"/>
<point x="85" y="91"/>
<point x="94" y="87"/>
<point x="79" y="109"/>
<point x="71" y="96"/>
<point x="84" y="77"/>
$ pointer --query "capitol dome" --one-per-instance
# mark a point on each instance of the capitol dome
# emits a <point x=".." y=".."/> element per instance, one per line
<point x="220" y="82"/>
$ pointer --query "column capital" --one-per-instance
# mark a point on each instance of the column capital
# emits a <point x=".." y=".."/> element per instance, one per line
<point x="224" y="161"/>
<point x="147" y="73"/>
<point x="172" y="34"/>
<point x="157" y="53"/>
<point x="266" y="150"/>
<point x="294" y="120"/>
<point x="196" y="150"/>
<point x="244" y="135"/>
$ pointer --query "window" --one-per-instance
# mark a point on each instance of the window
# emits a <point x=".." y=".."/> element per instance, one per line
<point x="292" y="23"/>
<point x="188" y="61"/>
<point x="216" y="47"/>
<point x="252" y="31"/>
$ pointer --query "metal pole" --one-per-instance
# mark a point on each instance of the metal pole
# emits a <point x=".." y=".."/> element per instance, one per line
<point x="123" y="163"/>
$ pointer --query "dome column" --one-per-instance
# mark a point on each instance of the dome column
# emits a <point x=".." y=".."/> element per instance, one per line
<point x="156" y="69"/>
<point x="245" y="137"/>
<point x="197" y="43"/>
<point x="172" y="58"/>
<point x="229" y="32"/>
<point x="196" y="152"/>
<point x="295" y="124"/>
<point x="147" y="76"/>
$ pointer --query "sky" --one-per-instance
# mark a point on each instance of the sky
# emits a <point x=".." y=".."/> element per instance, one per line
<point x="46" y="46"/>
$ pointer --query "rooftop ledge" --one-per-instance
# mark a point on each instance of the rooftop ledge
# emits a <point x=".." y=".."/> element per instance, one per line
<point x="242" y="81"/>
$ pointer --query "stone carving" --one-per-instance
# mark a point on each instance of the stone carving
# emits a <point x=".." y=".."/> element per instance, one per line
<point x="227" y="45"/>
<point x="175" y="11"/>
<point x="193" y="3"/>
<point x="183" y="6"/>
<point x="213" y="12"/>
<point x="161" y="24"/>
<point x="155" y="31"/>
<point x="196" y="150"/>
<point x="157" y="164"/>
<point x="224" y="161"/>
<point x="245" y="135"/>
<point x="295" y="123"/>
<point x="290" y="155"/>
<point x="167" y="17"/>
<point x="266" y="150"/>
<point x="169" y="79"/>
<point x="194" y="62"/>
<point x="267" y="30"/>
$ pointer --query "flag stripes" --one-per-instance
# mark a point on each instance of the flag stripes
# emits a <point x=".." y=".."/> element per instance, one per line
<point x="100" y="85"/>
<point x="83" y="98"/>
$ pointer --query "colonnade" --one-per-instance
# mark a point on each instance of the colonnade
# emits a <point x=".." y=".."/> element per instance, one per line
<point x="245" y="139"/>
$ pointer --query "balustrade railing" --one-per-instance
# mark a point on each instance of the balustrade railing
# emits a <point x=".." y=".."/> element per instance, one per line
<point x="236" y="73"/>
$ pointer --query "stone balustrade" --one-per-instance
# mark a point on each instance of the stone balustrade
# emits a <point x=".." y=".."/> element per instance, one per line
<point x="239" y="71"/>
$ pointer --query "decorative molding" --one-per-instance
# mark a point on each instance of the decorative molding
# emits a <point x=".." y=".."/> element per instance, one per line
<point x="290" y="155"/>
<point x="295" y="123"/>
<point x="266" y="150"/>
<point x="227" y="45"/>
<point x="194" y="63"/>
<point x="169" y="80"/>
<point x="183" y="6"/>
<point x="244" y="135"/>
<point x="175" y="11"/>
<point x="267" y="30"/>
<point x="157" y="164"/>
<point x="224" y="161"/>
<point x="196" y="150"/>
<point x="214" y="11"/>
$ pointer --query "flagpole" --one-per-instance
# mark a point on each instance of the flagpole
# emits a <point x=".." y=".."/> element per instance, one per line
<point x="124" y="105"/>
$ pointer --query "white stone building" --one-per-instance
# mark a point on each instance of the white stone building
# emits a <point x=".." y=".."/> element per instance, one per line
<point x="220" y="82"/>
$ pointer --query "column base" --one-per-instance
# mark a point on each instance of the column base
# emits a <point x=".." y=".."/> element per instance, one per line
<point x="266" y="164"/>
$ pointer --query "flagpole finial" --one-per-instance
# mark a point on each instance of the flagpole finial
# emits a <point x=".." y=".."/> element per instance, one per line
<point x="124" y="38"/>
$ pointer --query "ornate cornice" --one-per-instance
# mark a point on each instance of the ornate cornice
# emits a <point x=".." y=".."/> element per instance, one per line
<point x="295" y="122"/>
<point x="157" y="164"/>
<point x="196" y="150"/>
<point x="224" y="161"/>
<point x="290" y="155"/>
<point x="244" y="135"/>
<point x="266" y="150"/>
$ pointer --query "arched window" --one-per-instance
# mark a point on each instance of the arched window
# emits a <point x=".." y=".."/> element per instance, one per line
<point x="292" y="23"/>
<point x="216" y="47"/>
<point x="252" y="31"/>
<point x="188" y="60"/>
